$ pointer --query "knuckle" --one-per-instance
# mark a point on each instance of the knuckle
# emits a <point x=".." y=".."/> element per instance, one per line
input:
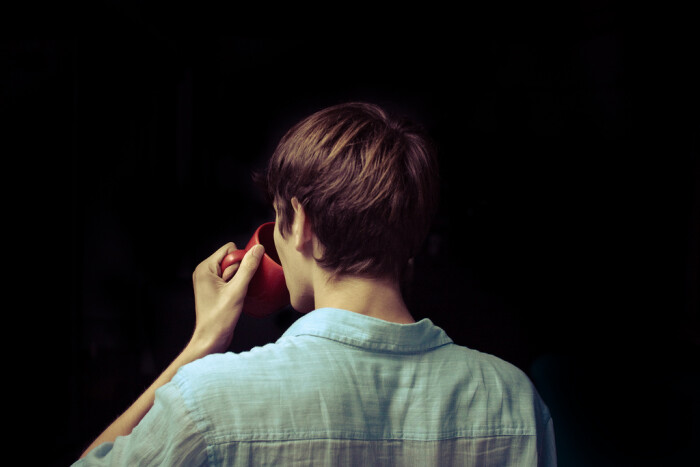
<point x="197" y="272"/>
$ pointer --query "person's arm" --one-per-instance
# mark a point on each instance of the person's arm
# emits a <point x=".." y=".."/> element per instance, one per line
<point x="218" y="305"/>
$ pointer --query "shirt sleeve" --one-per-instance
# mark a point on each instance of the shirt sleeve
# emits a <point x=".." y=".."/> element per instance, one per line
<point x="547" y="455"/>
<point x="167" y="435"/>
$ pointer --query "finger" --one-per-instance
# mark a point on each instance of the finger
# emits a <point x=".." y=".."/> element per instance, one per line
<point x="229" y="272"/>
<point x="214" y="261"/>
<point x="246" y="269"/>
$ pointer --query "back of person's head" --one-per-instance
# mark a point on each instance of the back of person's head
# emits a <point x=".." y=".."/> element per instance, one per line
<point x="368" y="184"/>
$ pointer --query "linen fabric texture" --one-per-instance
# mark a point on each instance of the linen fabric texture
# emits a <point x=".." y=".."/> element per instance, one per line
<point x="339" y="388"/>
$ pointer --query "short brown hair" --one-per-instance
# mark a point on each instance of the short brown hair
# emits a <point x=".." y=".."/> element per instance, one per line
<point x="368" y="184"/>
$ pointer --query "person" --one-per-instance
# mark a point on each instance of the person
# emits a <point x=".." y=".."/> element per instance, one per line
<point x="355" y="380"/>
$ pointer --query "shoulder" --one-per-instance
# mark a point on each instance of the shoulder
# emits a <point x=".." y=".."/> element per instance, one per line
<point x="504" y="370"/>
<point x="496" y="379"/>
<point x="259" y="372"/>
<point x="240" y="394"/>
<point x="486" y="366"/>
<point x="229" y="367"/>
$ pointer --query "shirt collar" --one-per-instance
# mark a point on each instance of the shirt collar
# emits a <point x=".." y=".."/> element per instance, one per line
<point x="369" y="333"/>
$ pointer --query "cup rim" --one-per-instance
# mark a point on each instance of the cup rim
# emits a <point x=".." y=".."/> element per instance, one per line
<point x="257" y="241"/>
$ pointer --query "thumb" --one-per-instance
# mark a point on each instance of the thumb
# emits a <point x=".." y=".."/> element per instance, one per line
<point x="246" y="270"/>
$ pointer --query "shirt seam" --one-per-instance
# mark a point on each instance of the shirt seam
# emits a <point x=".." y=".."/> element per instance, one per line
<point x="184" y="390"/>
<point x="360" y="436"/>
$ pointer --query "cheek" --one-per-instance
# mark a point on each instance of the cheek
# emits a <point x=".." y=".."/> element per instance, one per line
<point x="279" y="246"/>
<point x="278" y="243"/>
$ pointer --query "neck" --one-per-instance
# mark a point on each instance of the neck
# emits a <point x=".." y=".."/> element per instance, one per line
<point x="378" y="298"/>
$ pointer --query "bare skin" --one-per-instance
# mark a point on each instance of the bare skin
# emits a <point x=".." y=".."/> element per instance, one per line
<point x="312" y="287"/>
<point x="219" y="303"/>
<point x="218" y="306"/>
<point x="378" y="299"/>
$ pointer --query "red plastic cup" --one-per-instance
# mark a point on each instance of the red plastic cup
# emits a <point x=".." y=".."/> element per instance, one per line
<point x="267" y="291"/>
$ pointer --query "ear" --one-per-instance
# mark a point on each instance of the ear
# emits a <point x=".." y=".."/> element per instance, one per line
<point x="301" y="228"/>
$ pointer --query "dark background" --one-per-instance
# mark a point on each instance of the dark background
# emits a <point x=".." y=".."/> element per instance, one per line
<point x="566" y="244"/>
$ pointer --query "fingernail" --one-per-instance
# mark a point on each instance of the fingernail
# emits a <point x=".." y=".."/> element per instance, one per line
<point x="258" y="251"/>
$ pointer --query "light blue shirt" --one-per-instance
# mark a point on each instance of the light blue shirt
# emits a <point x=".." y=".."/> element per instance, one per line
<point x="339" y="388"/>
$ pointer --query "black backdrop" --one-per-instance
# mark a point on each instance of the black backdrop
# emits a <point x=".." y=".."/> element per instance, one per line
<point x="567" y="241"/>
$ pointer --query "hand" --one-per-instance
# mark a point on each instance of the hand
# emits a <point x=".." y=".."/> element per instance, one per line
<point x="218" y="305"/>
<point x="219" y="297"/>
